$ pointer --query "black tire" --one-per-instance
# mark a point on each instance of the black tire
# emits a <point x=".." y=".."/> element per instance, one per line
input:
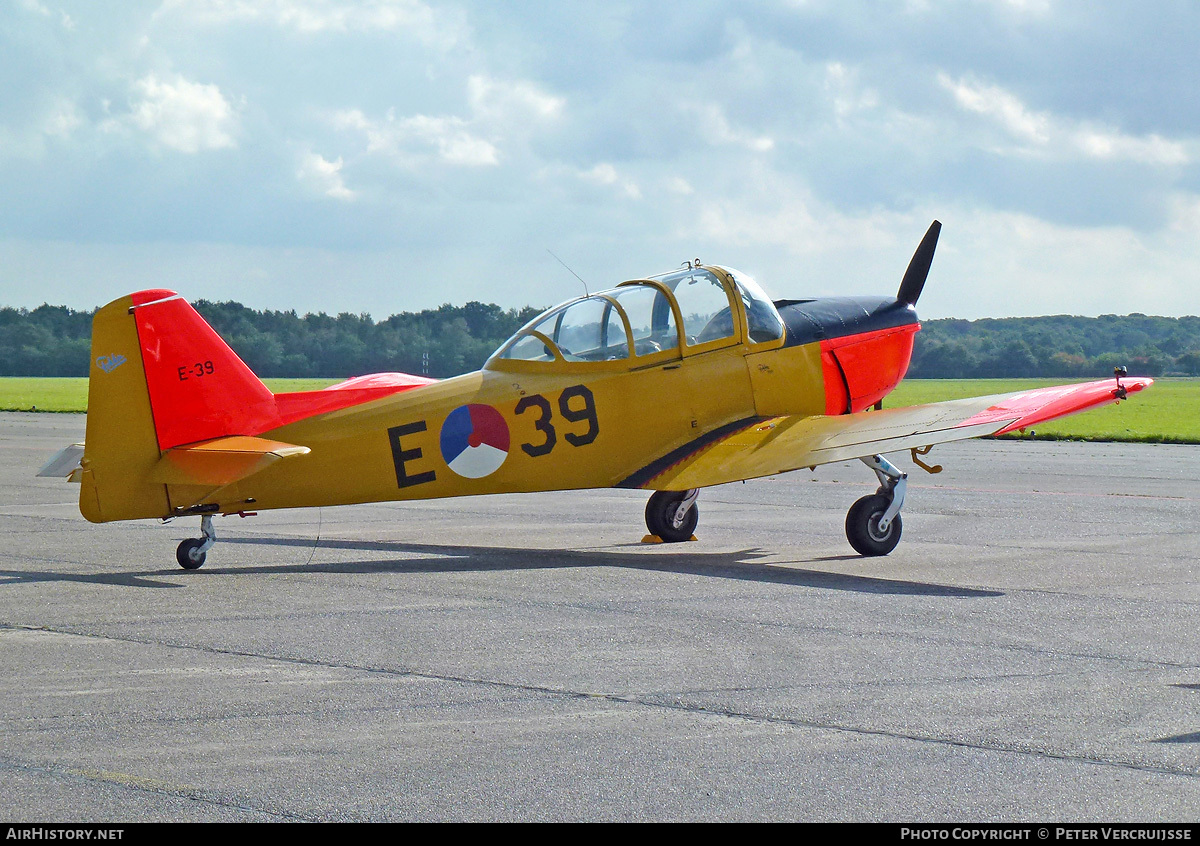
<point x="660" y="516"/>
<point x="862" y="526"/>
<point x="188" y="557"/>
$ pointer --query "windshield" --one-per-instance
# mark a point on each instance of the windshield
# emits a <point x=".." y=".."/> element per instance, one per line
<point x="590" y="329"/>
<point x="764" y="322"/>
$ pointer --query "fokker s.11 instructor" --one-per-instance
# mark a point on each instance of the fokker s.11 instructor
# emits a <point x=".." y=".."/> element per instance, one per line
<point x="670" y="384"/>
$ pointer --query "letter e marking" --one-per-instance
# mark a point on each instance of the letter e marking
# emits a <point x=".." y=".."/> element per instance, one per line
<point x="401" y="456"/>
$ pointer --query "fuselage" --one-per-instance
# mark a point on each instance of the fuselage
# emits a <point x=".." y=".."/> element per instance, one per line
<point x="565" y="420"/>
<point x="609" y="390"/>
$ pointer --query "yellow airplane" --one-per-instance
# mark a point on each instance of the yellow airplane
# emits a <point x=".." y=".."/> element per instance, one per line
<point x="670" y="384"/>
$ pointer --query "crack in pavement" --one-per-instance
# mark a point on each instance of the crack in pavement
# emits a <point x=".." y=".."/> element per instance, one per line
<point x="661" y="702"/>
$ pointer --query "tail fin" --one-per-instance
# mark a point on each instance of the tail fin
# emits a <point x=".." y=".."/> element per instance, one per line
<point x="160" y="377"/>
<point x="199" y="388"/>
<point x="174" y="414"/>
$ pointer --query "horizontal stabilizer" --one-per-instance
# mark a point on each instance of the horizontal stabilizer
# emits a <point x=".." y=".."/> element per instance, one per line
<point x="64" y="463"/>
<point x="222" y="461"/>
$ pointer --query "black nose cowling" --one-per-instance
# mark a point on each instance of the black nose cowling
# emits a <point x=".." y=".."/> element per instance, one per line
<point x="918" y="268"/>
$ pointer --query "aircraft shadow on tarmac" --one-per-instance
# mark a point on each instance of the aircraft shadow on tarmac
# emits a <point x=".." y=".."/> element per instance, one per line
<point x="1191" y="737"/>
<point x="8" y="577"/>
<point x="738" y="565"/>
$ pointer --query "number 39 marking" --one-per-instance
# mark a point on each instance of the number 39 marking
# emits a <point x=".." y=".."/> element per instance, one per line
<point x="571" y="415"/>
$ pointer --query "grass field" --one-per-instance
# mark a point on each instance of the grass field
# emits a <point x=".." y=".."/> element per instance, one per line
<point x="21" y="393"/>
<point x="1168" y="412"/>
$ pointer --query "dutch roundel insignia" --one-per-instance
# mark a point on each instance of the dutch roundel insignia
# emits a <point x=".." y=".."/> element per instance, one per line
<point x="474" y="440"/>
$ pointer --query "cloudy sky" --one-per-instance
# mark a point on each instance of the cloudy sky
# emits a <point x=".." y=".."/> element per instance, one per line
<point x="392" y="155"/>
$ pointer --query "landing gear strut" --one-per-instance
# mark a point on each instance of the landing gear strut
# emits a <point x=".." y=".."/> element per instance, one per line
<point x="191" y="553"/>
<point x="873" y="524"/>
<point x="672" y="515"/>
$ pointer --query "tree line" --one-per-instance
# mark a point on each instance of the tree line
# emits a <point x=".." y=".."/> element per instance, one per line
<point x="1059" y="346"/>
<point x="55" y="341"/>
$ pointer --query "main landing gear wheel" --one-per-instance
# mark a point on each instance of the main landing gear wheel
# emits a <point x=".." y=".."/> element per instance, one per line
<point x="873" y="524"/>
<point x="672" y="515"/>
<point x="862" y="526"/>
<point x="189" y="554"/>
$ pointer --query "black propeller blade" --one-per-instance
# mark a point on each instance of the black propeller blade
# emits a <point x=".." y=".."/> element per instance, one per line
<point x="918" y="268"/>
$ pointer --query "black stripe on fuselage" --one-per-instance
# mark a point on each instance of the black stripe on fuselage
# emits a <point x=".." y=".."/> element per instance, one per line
<point x="641" y="477"/>
<point x="826" y="318"/>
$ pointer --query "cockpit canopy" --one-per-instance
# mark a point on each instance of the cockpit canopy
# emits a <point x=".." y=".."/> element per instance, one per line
<point x="688" y="311"/>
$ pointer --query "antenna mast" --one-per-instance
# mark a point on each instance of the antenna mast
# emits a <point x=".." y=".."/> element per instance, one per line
<point x="572" y="272"/>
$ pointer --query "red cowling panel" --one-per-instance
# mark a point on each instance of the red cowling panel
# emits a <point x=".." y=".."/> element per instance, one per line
<point x="837" y="401"/>
<point x="873" y="363"/>
<point x="1042" y="404"/>
<point x="200" y="389"/>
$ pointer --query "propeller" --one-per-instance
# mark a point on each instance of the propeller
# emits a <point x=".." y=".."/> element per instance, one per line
<point x="918" y="268"/>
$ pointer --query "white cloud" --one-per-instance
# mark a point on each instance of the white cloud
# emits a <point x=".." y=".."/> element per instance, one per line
<point x="420" y="138"/>
<point x="605" y="174"/>
<point x="185" y="116"/>
<point x="717" y="129"/>
<point x="841" y="83"/>
<point x="679" y="185"/>
<point x="317" y="16"/>
<point x="324" y="176"/>
<point x="999" y="104"/>
<point x="43" y="10"/>
<point x="989" y="263"/>
<point x="58" y="120"/>
<point x="1027" y="7"/>
<point x="1151" y="149"/>
<point x="1021" y="8"/>
<point x="499" y="110"/>
<point x="63" y="120"/>
<point x="1044" y="134"/>
<point x="511" y="101"/>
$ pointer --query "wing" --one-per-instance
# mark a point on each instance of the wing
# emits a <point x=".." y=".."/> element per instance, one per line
<point x="764" y="447"/>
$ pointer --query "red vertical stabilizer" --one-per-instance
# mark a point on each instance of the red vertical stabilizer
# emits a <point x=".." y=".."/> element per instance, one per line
<point x="199" y="388"/>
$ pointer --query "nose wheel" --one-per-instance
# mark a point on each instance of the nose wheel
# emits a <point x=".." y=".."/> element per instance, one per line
<point x="873" y="524"/>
